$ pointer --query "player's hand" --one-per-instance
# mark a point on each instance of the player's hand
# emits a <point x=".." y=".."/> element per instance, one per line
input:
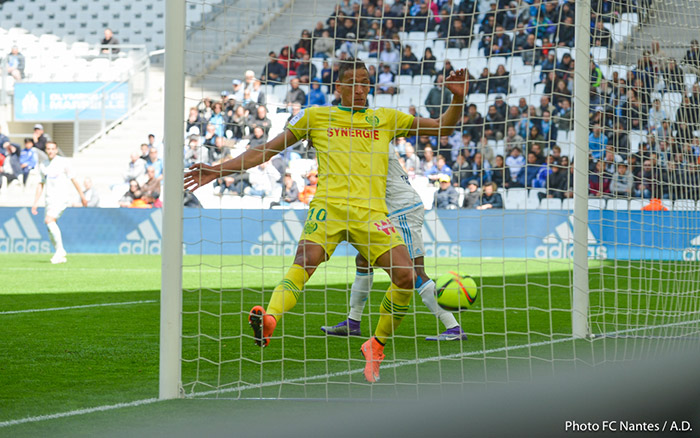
<point x="200" y="175"/>
<point x="34" y="210"/>
<point x="458" y="83"/>
<point x="83" y="201"/>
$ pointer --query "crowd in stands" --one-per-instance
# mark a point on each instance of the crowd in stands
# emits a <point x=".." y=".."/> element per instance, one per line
<point x="512" y="145"/>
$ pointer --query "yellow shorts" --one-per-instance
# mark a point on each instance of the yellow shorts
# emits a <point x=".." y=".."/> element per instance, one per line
<point x="369" y="231"/>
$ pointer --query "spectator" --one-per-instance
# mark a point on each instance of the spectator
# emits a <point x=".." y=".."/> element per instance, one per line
<point x="136" y="169"/>
<point x="428" y="162"/>
<point x="446" y="197"/>
<point x="40" y="138"/>
<point x="427" y="64"/>
<point x="385" y="81"/>
<point x="557" y="181"/>
<point x="600" y="36"/>
<point x="500" y="173"/>
<point x="645" y="182"/>
<point x="155" y="162"/>
<point x="438" y="100"/>
<point x="152" y="183"/>
<point x="499" y="82"/>
<point x="520" y="39"/>
<point x="263" y="179"/>
<point x="599" y="180"/>
<point x="565" y="32"/>
<point x="306" y="71"/>
<point x="232" y="185"/>
<point x="501" y="106"/>
<point x="237" y="123"/>
<point x="259" y="138"/>
<point x="674" y="78"/>
<point x="27" y="159"/>
<point x="390" y="56"/>
<point x="290" y="191"/>
<point x="490" y="198"/>
<point x="294" y="95"/>
<point x="440" y="169"/>
<point x="481" y="83"/>
<point x="193" y="154"/>
<point x="512" y="140"/>
<point x="472" y="195"/>
<point x="564" y="115"/>
<point x="411" y="160"/>
<point x="273" y="72"/>
<point x="286" y="61"/>
<point x="597" y="142"/>
<point x="548" y="129"/>
<point x="692" y="56"/>
<point x="151" y="200"/>
<point x="530" y="54"/>
<point x="310" y="189"/>
<point x="260" y="119"/>
<point x="481" y="169"/>
<point x="501" y="44"/>
<point x="324" y="46"/>
<point x="93" y="198"/>
<point x="494" y="124"/>
<point x="144" y="152"/>
<point x="108" y="41"/>
<point x="218" y="120"/>
<point x="195" y="120"/>
<point x="316" y="96"/>
<point x="409" y="62"/>
<point x="516" y="163"/>
<point x="461" y="171"/>
<point x="15" y="64"/>
<point x="132" y="194"/>
<point x="527" y="176"/>
<point x="219" y="153"/>
<point x="459" y="35"/>
<point x="622" y="183"/>
<point x="473" y="122"/>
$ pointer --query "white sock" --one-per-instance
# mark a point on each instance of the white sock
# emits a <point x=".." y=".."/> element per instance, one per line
<point x="55" y="234"/>
<point x="427" y="294"/>
<point x="359" y="293"/>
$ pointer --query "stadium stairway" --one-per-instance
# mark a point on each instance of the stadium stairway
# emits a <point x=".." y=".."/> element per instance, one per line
<point x="284" y="30"/>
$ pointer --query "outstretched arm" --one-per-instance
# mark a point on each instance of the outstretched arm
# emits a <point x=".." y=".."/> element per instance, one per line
<point x="202" y="174"/>
<point x="458" y="83"/>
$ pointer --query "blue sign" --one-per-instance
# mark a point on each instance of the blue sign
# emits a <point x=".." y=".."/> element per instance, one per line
<point x="58" y="101"/>
<point x="542" y="234"/>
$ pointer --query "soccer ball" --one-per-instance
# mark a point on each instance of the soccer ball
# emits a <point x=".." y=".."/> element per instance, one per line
<point x="455" y="292"/>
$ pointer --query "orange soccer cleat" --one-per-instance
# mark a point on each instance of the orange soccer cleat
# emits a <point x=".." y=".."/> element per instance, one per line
<point x="262" y="324"/>
<point x="373" y="352"/>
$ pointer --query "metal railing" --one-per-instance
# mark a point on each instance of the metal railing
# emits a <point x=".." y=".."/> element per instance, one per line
<point x="87" y="131"/>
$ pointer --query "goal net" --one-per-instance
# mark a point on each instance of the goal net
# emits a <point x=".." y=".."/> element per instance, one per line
<point x="567" y="274"/>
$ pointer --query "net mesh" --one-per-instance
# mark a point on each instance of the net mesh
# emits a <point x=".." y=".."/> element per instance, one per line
<point x="252" y="68"/>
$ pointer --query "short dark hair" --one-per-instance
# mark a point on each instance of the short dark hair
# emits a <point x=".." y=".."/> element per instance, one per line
<point x="29" y="140"/>
<point x="348" y="65"/>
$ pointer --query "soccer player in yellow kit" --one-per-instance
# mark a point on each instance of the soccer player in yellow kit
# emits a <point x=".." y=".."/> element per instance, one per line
<point x="352" y="145"/>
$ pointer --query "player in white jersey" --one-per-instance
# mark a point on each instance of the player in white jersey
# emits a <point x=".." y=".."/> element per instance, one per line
<point x="56" y="174"/>
<point x="406" y="212"/>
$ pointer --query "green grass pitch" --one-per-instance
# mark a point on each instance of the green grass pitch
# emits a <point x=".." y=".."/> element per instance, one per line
<point x="100" y="346"/>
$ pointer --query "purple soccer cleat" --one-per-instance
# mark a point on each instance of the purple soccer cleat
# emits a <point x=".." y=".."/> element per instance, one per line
<point x="348" y="327"/>
<point x="453" y="334"/>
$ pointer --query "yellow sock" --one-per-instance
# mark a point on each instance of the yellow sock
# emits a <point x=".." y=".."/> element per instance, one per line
<point x="286" y="294"/>
<point x="393" y="309"/>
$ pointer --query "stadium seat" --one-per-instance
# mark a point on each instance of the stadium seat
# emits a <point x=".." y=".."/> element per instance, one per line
<point x="684" y="205"/>
<point x="384" y="100"/>
<point x="516" y="199"/>
<point x="550" y="204"/>
<point x="599" y="55"/>
<point x="636" y="204"/>
<point x="617" y="204"/>
<point x="534" y="193"/>
<point x="567" y="204"/>
<point x="667" y="203"/>
<point x="596" y="204"/>
<point x="532" y="204"/>
<point x="635" y="138"/>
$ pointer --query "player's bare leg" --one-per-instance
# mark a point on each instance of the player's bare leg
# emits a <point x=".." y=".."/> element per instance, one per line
<point x="263" y="322"/>
<point x="398" y="264"/>
<point x="56" y="240"/>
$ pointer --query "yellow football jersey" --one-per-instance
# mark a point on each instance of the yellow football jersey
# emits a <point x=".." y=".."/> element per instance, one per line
<point x="352" y="150"/>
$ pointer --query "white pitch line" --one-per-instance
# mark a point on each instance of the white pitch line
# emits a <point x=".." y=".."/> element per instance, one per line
<point x="78" y="412"/>
<point x="322" y="376"/>
<point x="51" y="309"/>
